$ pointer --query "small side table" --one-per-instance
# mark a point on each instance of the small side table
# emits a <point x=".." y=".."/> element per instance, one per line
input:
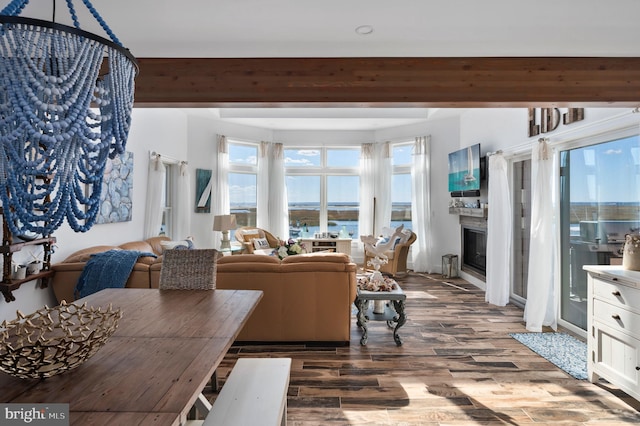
<point x="232" y="251"/>
<point x="394" y="316"/>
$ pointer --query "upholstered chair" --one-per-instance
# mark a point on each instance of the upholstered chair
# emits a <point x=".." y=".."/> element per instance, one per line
<point x="247" y="234"/>
<point x="397" y="264"/>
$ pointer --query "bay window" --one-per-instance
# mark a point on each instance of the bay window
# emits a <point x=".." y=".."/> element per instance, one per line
<point x="323" y="187"/>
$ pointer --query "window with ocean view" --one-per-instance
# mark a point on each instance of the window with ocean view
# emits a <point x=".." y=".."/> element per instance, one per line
<point x="243" y="188"/>
<point x="323" y="190"/>
<point x="401" y="159"/>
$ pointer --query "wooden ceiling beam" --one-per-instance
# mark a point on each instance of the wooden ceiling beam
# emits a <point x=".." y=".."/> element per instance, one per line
<point x="383" y="82"/>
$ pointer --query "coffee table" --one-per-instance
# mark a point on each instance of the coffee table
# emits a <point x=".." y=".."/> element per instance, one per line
<point x="393" y="315"/>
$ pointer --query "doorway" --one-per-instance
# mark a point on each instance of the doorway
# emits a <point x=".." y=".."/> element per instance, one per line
<point x="599" y="205"/>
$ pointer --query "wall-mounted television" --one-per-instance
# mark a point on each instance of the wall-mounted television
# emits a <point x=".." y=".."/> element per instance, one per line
<point x="464" y="172"/>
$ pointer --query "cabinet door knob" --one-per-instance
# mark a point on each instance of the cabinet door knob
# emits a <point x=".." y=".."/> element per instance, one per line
<point x="615" y="293"/>
<point x="637" y="368"/>
<point x="615" y="316"/>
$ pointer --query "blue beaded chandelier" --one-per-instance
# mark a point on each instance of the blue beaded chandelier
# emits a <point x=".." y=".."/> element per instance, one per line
<point x="65" y="106"/>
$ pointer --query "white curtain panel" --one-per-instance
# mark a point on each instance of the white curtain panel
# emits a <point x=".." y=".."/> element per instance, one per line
<point x="262" y="219"/>
<point x="499" y="233"/>
<point x="220" y="204"/>
<point x="155" y="193"/>
<point x="421" y="205"/>
<point x="383" y="172"/>
<point x="183" y="202"/>
<point x="367" y="190"/>
<point x="541" y="307"/>
<point x="278" y="202"/>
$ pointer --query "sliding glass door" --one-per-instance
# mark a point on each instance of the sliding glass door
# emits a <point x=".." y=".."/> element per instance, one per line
<point x="600" y="204"/>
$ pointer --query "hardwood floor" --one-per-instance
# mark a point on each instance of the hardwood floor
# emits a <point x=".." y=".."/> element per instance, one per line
<point x="457" y="366"/>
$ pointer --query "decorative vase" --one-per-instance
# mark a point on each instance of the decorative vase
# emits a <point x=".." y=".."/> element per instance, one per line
<point x="378" y="306"/>
<point x="631" y="253"/>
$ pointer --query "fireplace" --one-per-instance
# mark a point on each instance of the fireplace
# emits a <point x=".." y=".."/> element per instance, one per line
<point x="474" y="246"/>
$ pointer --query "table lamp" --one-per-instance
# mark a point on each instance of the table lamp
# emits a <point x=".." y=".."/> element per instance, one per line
<point x="224" y="223"/>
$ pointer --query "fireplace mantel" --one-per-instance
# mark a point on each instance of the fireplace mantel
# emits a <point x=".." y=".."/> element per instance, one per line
<point x="467" y="211"/>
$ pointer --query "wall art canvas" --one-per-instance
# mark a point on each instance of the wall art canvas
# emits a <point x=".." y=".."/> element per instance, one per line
<point x="117" y="190"/>
<point x="203" y="191"/>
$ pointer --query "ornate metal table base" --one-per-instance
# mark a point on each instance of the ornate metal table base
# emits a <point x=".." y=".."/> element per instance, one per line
<point x="394" y="316"/>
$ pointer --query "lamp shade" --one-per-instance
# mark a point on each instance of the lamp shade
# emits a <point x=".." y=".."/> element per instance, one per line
<point x="224" y="222"/>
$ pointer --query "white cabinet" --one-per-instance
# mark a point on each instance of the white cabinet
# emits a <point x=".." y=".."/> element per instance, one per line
<point x="339" y="245"/>
<point x="613" y="327"/>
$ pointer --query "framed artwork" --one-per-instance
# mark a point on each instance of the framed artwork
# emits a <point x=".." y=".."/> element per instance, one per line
<point x="117" y="190"/>
<point x="203" y="191"/>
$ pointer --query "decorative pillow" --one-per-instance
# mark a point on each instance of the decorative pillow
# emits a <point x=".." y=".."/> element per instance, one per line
<point x="397" y="241"/>
<point x="186" y="244"/>
<point x="260" y="243"/>
<point x="250" y="234"/>
<point x="382" y="240"/>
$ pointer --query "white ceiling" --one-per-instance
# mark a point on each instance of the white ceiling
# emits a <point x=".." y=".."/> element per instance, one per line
<point x="343" y="119"/>
<point x="326" y="28"/>
<point x="303" y="28"/>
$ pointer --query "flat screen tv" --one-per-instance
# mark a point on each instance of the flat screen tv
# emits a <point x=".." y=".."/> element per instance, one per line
<point x="464" y="169"/>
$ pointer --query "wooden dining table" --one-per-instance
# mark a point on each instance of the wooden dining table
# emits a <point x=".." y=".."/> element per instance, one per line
<point x="150" y="372"/>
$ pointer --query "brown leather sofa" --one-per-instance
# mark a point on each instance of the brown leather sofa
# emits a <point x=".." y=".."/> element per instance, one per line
<point x="307" y="297"/>
<point x="145" y="274"/>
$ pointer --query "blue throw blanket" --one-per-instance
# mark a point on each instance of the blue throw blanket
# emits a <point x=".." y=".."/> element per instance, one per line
<point x="110" y="269"/>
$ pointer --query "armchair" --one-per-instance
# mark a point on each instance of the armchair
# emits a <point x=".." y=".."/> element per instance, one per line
<point x="246" y="234"/>
<point x="397" y="264"/>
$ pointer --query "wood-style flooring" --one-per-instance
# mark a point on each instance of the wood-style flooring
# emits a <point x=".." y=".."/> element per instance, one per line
<point x="457" y="366"/>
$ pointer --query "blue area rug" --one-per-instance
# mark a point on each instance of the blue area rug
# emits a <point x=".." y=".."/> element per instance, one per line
<point x="564" y="351"/>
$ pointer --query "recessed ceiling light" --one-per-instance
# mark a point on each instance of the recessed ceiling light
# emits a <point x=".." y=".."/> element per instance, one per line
<point x="364" y="29"/>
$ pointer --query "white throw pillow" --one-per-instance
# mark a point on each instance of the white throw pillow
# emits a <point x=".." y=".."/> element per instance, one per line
<point x="260" y="243"/>
<point x="186" y="244"/>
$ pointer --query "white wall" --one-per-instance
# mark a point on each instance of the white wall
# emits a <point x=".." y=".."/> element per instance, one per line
<point x="191" y="134"/>
<point x="322" y="138"/>
<point x="506" y="129"/>
<point x="160" y="130"/>
<point x="445" y="137"/>
<point x="203" y="128"/>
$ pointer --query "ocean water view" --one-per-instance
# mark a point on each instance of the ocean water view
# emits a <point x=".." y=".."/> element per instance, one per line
<point x="304" y="218"/>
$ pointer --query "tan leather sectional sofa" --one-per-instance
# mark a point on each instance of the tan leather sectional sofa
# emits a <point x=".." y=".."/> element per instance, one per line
<point x="307" y="297"/>
<point x="145" y="274"/>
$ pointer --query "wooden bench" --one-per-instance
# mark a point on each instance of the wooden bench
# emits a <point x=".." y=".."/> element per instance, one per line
<point x="255" y="393"/>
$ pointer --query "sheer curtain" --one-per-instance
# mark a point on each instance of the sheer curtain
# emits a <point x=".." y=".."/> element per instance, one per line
<point x="220" y="204"/>
<point x="421" y="204"/>
<point x="262" y="202"/>
<point x="383" y="187"/>
<point x="183" y="203"/>
<point x="278" y="204"/>
<point x="154" y="205"/>
<point x="499" y="233"/>
<point x="367" y="190"/>
<point x="540" y="309"/>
